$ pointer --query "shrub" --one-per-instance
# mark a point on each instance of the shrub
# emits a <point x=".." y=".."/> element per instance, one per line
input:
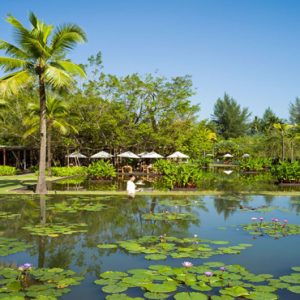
<point x="179" y="175"/>
<point x="101" y="170"/>
<point x="287" y="171"/>
<point x="255" y="164"/>
<point x="7" y="170"/>
<point x="68" y="171"/>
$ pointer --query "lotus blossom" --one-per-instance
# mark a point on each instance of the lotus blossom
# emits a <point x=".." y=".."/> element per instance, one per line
<point x="222" y="269"/>
<point x="187" y="264"/>
<point x="261" y="219"/>
<point x="285" y="221"/>
<point x="208" y="274"/>
<point x="253" y="219"/>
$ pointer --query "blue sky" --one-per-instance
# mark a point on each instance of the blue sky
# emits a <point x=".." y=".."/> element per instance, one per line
<point x="247" y="48"/>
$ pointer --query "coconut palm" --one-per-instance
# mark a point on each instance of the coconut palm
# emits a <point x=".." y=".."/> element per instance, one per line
<point x="282" y="130"/>
<point x="56" y="114"/>
<point x="40" y="55"/>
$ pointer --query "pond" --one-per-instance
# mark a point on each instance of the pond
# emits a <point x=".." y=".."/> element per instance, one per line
<point x="157" y="247"/>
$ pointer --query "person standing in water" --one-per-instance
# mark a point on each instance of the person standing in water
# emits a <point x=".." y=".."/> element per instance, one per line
<point x="131" y="187"/>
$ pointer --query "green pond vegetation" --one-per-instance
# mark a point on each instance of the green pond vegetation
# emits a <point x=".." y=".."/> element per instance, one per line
<point x="211" y="280"/>
<point x="55" y="230"/>
<point x="30" y="283"/>
<point x="159" y="248"/>
<point x="10" y="246"/>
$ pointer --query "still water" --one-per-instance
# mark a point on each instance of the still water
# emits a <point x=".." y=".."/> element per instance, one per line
<point x="216" y="218"/>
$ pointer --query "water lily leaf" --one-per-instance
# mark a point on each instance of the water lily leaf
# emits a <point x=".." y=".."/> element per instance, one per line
<point x="113" y="275"/>
<point x="290" y="279"/>
<point x="113" y="289"/>
<point x="107" y="246"/>
<point x="108" y="281"/>
<point x="121" y="297"/>
<point x="220" y="242"/>
<point x="222" y="297"/>
<point x="264" y="288"/>
<point x="149" y="295"/>
<point x="297" y="269"/>
<point x="262" y="296"/>
<point x="201" y="286"/>
<point x="214" y="264"/>
<point x="164" y="287"/>
<point x="156" y="257"/>
<point x="190" y="296"/>
<point x="294" y="289"/>
<point x="235" y="291"/>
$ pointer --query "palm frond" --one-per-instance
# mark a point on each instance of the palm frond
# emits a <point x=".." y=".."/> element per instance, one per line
<point x="66" y="37"/>
<point x="41" y="31"/>
<point x="15" y="23"/>
<point x="12" y="50"/>
<point x="71" y="68"/>
<point x="33" y="124"/>
<point x="58" y="78"/>
<point x="35" y="47"/>
<point x="13" y="82"/>
<point x="11" y="64"/>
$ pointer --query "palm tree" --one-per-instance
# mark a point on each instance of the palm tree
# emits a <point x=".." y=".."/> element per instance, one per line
<point x="282" y="130"/>
<point x="40" y="55"/>
<point x="56" y="114"/>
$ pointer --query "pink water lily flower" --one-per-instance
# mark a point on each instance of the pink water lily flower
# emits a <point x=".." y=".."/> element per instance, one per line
<point x="222" y="269"/>
<point x="261" y="218"/>
<point x="187" y="264"/>
<point x="208" y="274"/>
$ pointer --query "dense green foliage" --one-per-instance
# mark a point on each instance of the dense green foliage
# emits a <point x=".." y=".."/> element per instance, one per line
<point x="287" y="172"/>
<point x="180" y="175"/>
<point x="69" y="171"/>
<point x="255" y="164"/>
<point x="7" y="170"/>
<point x="101" y="170"/>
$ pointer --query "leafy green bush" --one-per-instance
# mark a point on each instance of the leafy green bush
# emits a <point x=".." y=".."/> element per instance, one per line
<point x="287" y="171"/>
<point x="179" y="175"/>
<point x="7" y="170"/>
<point x="255" y="164"/>
<point x="101" y="170"/>
<point x="68" y="171"/>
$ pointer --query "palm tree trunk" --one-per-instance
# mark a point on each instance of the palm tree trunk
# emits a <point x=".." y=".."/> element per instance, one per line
<point x="49" y="153"/>
<point x="282" y="148"/>
<point x="41" y="187"/>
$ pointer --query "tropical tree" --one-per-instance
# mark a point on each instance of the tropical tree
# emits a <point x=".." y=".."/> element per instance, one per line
<point x="295" y="111"/>
<point x="231" y="120"/>
<point x="268" y="119"/>
<point x="56" y="113"/>
<point x="40" y="55"/>
<point x="283" y="131"/>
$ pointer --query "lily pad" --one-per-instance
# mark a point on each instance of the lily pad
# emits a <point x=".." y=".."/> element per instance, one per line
<point x="190" y="296"/>
<point x="10" y="246"/>
<point x="156" y="257"/>
<point x="107" y="246"/>
<point x="55" y="230"/>
<point x="294" y="289"/>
